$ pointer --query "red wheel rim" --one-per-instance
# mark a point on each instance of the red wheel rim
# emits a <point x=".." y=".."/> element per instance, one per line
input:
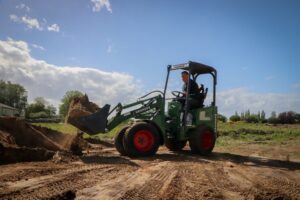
<point x="143" y="140"/>
<point x="207" y="140"/>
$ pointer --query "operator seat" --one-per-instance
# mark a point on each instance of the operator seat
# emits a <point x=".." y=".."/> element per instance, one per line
<point x="202" y="93"/>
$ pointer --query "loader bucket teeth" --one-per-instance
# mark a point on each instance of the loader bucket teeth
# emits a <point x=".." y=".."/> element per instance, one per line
<point x="94" y="123"/>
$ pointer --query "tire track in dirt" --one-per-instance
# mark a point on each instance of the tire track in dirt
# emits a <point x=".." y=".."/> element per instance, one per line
<point x="53" y="185"/>
<point x="164" y="176"/>
<point x="125" y="186"/>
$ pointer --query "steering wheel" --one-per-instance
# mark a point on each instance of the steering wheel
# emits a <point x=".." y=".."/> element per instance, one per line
<point x="177" y="94"/>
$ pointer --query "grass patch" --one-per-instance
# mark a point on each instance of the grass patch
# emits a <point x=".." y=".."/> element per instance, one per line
<point x="61" y="127"/>
<point x="230" y="134"/>
<point x="238" y="133"/>
<point x="69" y="129"/>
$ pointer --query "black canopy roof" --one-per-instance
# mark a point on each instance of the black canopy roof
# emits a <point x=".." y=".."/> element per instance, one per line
<point x="195" y="68"/>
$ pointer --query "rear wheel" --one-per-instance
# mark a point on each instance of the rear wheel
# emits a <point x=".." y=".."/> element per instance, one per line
<point x="174" y="145"/>
<point x="119" y="138"/>
<point x="142" y="139"/>
<point x="202" y="141"/>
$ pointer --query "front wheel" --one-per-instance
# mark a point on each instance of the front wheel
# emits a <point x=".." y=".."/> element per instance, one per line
<point x="141" y="139"/>
<point x="202" y="141"/>
<point x="119" y="138"/>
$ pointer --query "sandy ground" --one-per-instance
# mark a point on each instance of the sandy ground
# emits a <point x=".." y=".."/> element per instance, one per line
<point x="238" y="173"/>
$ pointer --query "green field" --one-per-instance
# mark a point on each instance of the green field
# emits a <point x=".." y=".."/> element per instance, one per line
<point x="233" y="134"/>
<point x="69" y="129"/>
<point x="230" y="134"/>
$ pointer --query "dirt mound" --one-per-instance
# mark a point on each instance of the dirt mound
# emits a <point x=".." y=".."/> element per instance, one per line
<point x="9" y="154"/>
<point x="73" y="143"/>
<point x="21" y="141"/>
<point x="6" y="139"/>
<point x="80" y="106"/>
<point x="26" y="135"/>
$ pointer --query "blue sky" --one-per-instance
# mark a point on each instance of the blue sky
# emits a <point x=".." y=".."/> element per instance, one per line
<point x="254" y="45"/>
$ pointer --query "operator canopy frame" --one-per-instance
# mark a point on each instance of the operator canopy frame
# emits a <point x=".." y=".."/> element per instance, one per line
<point x="195" y="69"/>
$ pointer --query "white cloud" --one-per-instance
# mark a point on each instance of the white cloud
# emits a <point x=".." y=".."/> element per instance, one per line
<point x="38" y="47"/>
<point x="23" y="6"/>
<point x="296" y="85"/>
<point x="109" y="48"/>
<point x="99" y="4"/>
<point x="54" y="28"/>
<point x="271" y="77"/>
<point x="30" y="23"/>
<point x="241" y="99"/>
<point x="14" y="18"/>
<point x="51" y="81"/>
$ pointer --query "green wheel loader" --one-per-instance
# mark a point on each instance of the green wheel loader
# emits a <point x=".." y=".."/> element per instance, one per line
<point x="151" y="125"/>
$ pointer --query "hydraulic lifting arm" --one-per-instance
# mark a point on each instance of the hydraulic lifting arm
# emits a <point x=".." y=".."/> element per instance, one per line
<point x="144" y="108"/>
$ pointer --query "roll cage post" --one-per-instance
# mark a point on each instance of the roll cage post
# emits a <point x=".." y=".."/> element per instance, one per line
<point x="194" y="76"/>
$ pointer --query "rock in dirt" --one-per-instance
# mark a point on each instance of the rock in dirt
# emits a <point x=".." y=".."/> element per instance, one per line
<point x="64" y="157"/>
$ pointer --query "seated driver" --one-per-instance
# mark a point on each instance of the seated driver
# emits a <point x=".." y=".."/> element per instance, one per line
<point x="193" y="90"/>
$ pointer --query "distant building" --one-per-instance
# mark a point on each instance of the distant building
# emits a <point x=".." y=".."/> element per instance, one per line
<point x="6" y="110"/>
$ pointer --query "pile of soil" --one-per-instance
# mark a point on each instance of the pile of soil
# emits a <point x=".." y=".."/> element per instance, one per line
<point x="80" y="106"/>
<point x="21" y="141"/>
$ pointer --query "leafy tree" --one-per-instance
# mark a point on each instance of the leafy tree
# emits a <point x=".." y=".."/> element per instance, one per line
<point x="242" y="116"/>
<point x="273" y="114"/>
<point x="40" y="108"/>
<point x="297" y="117"/>
<point x="13" y="95"/>
<point x="273" y="120"/>
<point x="263" y="115"/>
<point x="222" y="118"/>
<point x="287" y="117"/>
<point x="66" y="100"/>
<point x="252" y="119"/>
<point x="51" y="110"/>
<point x="235" y="118"/>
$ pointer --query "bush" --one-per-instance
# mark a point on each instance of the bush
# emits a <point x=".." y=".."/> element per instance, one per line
<point x="273" y="120"/>
<point x="287" y="117"/>
<point x="235" y="118"/>
<point x="38" y="115"/>
<point x="252" y="119"/>
<point x="297" y="118"/>
<point x="222" y="118"/>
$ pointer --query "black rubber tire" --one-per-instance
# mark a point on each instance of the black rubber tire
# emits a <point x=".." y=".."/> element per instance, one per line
<point x="119" y="138"/>
<point x="173" y="145"/>
<point x="196" y="141"/>
<point x="130" y="134"/>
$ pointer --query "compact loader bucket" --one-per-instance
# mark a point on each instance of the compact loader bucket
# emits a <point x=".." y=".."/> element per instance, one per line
<point x="93" y="123"/>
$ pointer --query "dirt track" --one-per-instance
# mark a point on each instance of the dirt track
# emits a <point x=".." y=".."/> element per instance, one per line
<point x="103" y="174"/>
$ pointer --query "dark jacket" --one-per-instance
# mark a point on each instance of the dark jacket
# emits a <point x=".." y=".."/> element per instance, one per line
<point x="193" y="89"/>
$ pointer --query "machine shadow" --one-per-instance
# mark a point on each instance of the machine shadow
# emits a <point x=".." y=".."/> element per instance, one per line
<point x="107" y="159"/>
<point x="254" y="161"/>
<point x="187" y="156"/>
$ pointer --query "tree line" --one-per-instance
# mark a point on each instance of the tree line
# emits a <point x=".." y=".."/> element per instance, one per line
<point x="15" y="95"/>
<point x="288" y="117"/>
